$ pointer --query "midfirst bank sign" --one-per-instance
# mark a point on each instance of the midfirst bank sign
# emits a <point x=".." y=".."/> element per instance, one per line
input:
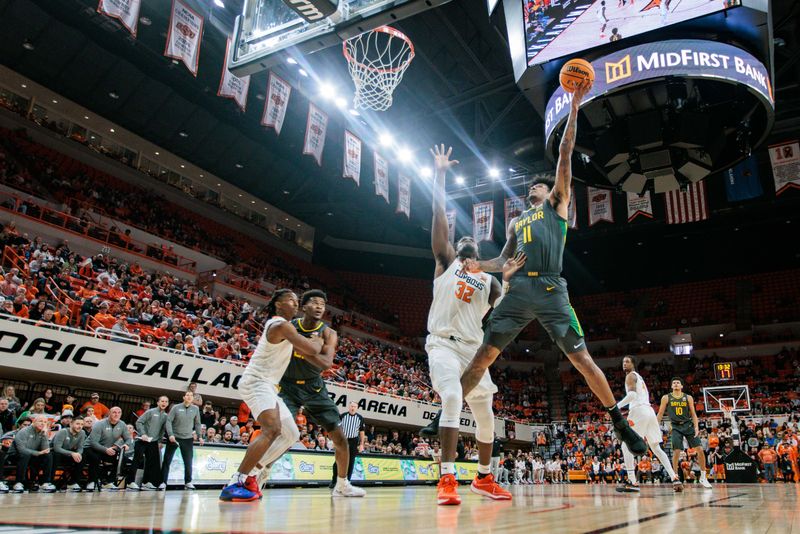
<point x="683" y="58"/>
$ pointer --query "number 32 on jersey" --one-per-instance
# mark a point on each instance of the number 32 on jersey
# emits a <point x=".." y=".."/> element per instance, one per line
<point x="464" y="292"/>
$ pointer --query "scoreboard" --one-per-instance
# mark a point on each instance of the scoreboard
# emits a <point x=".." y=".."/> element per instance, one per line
<point x="723" y="371"/>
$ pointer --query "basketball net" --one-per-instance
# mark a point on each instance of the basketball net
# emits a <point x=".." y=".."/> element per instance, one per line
<point x="377" y="61"/>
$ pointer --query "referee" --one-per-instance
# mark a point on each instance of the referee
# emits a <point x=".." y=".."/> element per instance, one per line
<point x="353" y="427"/>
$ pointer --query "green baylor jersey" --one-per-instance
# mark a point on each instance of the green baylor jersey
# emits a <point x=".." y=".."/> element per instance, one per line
<point x="541" y="234"/>
<point x="678" y="409"/>
<point x="299" y="368"/>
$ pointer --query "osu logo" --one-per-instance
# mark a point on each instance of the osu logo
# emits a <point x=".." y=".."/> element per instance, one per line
<point x="306" y="467"/>
<point x="185" y="30"/>
<point x="619" y="70"/>
<point x="374" y="469"/>
<point x="212" y="464"/>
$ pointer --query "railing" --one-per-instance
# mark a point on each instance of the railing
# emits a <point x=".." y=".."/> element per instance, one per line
<point x="11" y="258"/>
<point x="115" y="335"/>
<point x="61" y="296"/>
<point x="33" y="210"/>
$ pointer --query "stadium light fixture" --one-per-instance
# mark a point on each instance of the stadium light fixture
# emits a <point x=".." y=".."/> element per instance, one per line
<point x="426" y="172"/>
<point x="219" y="3"/>
<point x="291" y="61"/>
<point x="460" y="180"/>
<point x="404" y="154"/>
<point x="386" y="139"/>
<point x="327" y="90"/>
<point x="494" y="173"/>
<point x="302" y="72"/>
<point x="341" y="102"/>
<point x="354" y="112"/>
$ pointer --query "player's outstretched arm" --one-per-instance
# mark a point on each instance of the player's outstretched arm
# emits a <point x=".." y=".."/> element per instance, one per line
<point x="662" y="408"/>
<point x="286" y="331"/>
<point x="443" y="251"/>
<point x="559" y="196"/>
<point x="495" y="265"/>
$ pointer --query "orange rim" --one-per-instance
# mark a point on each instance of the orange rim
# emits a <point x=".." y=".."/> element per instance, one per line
<point x="390" y="31"/>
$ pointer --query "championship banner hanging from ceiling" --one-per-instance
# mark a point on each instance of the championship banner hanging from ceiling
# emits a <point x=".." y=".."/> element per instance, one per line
<point x="513" y="207"/>
<point x="599" y="205"/>
<point x="688" y="206"/>
<point x="381" y="177"/>
<point x="231" y="86"/>
<point x="185" y="33"/>
<point x="482" y="221"/>
<point x="352" y="157"/>
<point x="572" y="214"/>
<point x="126" y="11"/>
<point x="404" y="195"/>
<point x="278" y="92"/>
<point x="785" y="159"/>
<point x="316" y="127"/>
<point x="451" y="225"/>
<point x="639" y="205"/>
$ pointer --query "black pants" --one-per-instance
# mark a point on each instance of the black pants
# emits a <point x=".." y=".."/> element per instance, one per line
<point x="36" y="463"/>
<point x="99" y="464"/>
<point x="187" y="453"/>
<point x="146" y="452"/>
<point x="352" y="445"/>
<point x="71" y="470"/>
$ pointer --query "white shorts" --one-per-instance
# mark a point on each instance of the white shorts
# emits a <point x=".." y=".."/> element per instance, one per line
<point x="447" y="361"/>
<point x="645" y="424"/>
<point x="261" y="395"/>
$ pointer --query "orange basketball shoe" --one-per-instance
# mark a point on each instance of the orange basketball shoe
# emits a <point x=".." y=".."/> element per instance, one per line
<point x="447" y="491"/>
<point x="487" y="487"/>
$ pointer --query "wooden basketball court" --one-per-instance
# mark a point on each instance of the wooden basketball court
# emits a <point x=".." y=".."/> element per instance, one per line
<point x="544" y="509"/>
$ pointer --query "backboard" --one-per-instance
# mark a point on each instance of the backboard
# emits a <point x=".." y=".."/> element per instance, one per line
<point x="735" y="397"/>
<point x="267" y="27"/>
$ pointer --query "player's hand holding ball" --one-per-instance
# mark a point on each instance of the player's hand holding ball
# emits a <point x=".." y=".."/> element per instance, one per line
<point x="576" y="74"/>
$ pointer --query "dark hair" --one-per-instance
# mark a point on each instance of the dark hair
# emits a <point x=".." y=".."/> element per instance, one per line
<point x="77" y="418"/>
<point x="632" y="359"/>
<point x="276" y="295"/>
<point x="674" y="378"/>
<point x="312" y="293"/>
<point x="543" y="180"/>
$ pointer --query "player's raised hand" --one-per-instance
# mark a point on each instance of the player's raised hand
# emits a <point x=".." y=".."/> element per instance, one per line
<point x="441" y="159"/>
<point x="580" y="91"/>
<point x="512" y="265"/>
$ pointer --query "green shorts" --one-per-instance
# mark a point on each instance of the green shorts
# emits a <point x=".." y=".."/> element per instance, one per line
<point x="543" y="298"/>
<point x="313" y="396"/>
<point x="684" y="430"/>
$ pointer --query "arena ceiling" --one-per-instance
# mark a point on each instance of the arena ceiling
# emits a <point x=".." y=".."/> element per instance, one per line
<point x="459" y="90"/>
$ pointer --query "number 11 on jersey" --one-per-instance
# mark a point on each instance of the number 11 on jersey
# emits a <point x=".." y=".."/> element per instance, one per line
<point x="526" y="235"/>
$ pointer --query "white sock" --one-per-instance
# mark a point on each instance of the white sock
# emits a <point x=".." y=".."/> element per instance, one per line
<point x="237" y="477"/>
<point x="448" y="468"/>
<point x="483" y="469"/>
<point x="340" y="481"/>
<point x="664" y="459"/>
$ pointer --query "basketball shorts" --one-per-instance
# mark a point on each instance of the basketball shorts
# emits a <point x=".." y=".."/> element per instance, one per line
<point x="684" y="430"/>
<point x="644" y="422"/>
<point x="313" y="396"/>
<point x="261" y="395"/>
<point x="544" y="298"/>
<point x="447" y="361"/>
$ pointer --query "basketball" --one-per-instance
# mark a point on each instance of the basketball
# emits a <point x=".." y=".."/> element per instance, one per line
<point x="574" y="72"/>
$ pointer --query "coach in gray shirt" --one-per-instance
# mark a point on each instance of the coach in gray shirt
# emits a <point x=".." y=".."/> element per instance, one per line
<point x="109" y="437"/>
<point x="150" y="427"/>
<point x="68" y="446"/>
<point x="32" y="448"/>
<point x="183" y="427"/>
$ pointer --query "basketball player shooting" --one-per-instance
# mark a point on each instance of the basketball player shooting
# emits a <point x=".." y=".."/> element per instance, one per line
<point x="641" y="413"/>
<point x="461" y="298"/>
<point x="682" y="416"/>
<point x="537" y="291"/>
<point x="259" y="389"/>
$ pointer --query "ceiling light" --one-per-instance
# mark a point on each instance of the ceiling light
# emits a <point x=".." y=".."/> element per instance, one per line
<point x="386" y="139"/>
<point x="219" y="185"/>
<point x="354" y="112"/>
<point x="27" y="45"/>
<point x="111" y="130"/>
<point x="330" y="214"/>
<point x="252" y="202"/>
<point x="426" y="172"/>
<point x="201" y="176"/>
<point x="511" y="169"/>
<point x="302" y="72"/>
<point x="86" y="117"/>
<point x="219" y="3"/>
<point x="285" y="191"/>
<point x="145" y="21"/>
<point x="239" y="166"/>
<point x="341" y="103"/>
<point x="24" y="86"/>
<point x="494" y="173"/>
<point x="298" y="226"/>
<point x="291" y="61"/>
<point x="157" y="154"/>
<point x="183" y="166"/>
<point x="260" y="96"/>
<point x="287" y="218"/>
<point x="722" y="335"/>
<point x="183" y="134"/>
<point x="460" y="180"/>
<point x="114" y="95"/>
<point x="404" y="154"/>
<point x="55" y="101"/>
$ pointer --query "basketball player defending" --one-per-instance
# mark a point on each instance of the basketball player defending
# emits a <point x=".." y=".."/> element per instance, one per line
<point x="537" y="291"/>
<point x="259" y="389"/>
<point x="645" y="423"/>
<point x="302" y="385"/>
<point x="680" y="408"/>
<point x="460" y="300"/>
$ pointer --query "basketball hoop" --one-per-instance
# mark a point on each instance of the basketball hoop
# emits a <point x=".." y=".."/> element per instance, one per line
<point x="377" y="60"/>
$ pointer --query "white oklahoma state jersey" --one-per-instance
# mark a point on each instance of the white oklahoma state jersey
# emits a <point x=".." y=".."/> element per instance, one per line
<point x="460" y="300"/>
<point x="269" y="360"/>
<point x="642" y="395"/>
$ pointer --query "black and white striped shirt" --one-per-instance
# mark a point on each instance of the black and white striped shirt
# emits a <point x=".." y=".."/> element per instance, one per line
<point x="352" y="424"/>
